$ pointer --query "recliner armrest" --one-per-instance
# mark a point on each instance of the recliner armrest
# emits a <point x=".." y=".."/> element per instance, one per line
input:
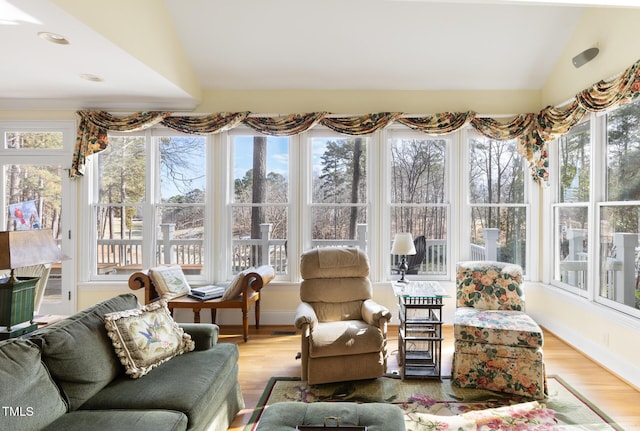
<point x="204" y="335"/>
<point x="373" y="313"/>
<point x="305" y="315"/>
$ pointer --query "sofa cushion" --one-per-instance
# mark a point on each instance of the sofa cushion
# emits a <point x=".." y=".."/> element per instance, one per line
<point x="169" y="281"/>
<point x="287" y="415"/>
<point x="145" y="337"/>
<point x="338" y="339"/>
<point x="29" y="398"/>
<point x="503" y="327"/>
<point x="78" y="352"/>
<point x="197" y="383"/>
<point x="119" y="420"/>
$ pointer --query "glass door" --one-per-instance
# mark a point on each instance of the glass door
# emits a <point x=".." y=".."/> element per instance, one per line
<point x="36" y="195"/>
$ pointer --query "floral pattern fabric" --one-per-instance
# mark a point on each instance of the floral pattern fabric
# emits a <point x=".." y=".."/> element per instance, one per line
<point x="518" y="417"/>
<point x="481" y="367"/>
<point x="489" y="286"/>
<point x="497" y="346"/>
<point x="503" y="327"/>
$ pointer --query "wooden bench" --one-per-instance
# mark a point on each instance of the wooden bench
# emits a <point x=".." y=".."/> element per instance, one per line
<point x="252" y="284"/>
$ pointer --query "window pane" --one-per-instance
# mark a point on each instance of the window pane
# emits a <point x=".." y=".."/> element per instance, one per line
<point x="417" y="171"/>
<point x="34" y="201"/>
<point x="339" y="191"/>
<point x="428" y="226"/>
<point x="119" y="239"/>
<point x="341" y="223"/>
<point x="619" y="254"/>
<point x="496" y="172"/>
<point x="499" y="233"/>
<point x="33" y="140"/>
<point x="268" y="156"/>
<point x="122" y="170"/>
<point x="269" y="245"/>
<point x="180" y="234"/>
<point x="339" y="170"/>
<point x="261" y="195"/>
<point x="575" y="162"/>
<point x="180" y="237"/>
<point x="623" y="153"/>
<point x="182" y="169"/>
<point x="571" y="246"/>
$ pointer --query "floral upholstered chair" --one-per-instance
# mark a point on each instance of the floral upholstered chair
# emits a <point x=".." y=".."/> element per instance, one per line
<point x="497" y="346"/>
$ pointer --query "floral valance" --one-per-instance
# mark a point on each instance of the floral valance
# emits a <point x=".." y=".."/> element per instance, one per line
<point x="533" y="131"/>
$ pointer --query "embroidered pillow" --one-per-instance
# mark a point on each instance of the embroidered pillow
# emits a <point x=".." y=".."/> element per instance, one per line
<point x="235" y="288"/>
<point x="169" y="281"/>
<point x="145" y="337"/>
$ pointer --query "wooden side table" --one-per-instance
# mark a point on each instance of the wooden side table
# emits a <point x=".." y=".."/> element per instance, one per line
<point x="252" y="285"/>
<point x="420" y="330"/>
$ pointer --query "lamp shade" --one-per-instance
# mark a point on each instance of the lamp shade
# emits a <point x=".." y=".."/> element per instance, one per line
<point x="403" y="244"/>
<point x="28" y="247"/>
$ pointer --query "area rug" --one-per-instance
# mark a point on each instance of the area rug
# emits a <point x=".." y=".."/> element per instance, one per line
<point x="565" y="407"/>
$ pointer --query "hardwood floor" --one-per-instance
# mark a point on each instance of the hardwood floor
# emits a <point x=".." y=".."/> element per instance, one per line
<point x="271" y="351"/>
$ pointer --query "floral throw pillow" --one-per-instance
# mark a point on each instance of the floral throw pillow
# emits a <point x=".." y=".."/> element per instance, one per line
<point x="145" y="337"/>
<point x="169" y="281"/>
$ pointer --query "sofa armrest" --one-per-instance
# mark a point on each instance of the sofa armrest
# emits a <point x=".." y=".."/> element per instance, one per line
<point x="375" y="314"/>
<point x="305" y="316"/>
<point x="204" y="335"/>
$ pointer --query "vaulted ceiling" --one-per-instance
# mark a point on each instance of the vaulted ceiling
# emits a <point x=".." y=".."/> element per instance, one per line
<point x="159" y="54"/>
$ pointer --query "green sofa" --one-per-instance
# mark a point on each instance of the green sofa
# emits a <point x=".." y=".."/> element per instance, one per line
<point x="67" y="376"/>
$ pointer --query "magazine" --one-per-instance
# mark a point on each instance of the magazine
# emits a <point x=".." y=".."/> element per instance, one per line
<point x="204" y="293"/>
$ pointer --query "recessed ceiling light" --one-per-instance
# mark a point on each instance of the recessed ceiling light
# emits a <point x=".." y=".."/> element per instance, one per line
<point x="53" y="38"/>
<point x="91" y="77"/>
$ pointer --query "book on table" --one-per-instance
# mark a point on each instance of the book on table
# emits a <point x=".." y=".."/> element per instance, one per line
<point x="204" y="293"/>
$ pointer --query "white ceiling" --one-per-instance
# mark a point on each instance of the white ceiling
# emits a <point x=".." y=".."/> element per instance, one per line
<point x="286" y="44"/>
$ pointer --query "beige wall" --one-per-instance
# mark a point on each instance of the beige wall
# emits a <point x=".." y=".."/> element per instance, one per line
<point x="615" y="32"/>
<point x="361" y="101"/>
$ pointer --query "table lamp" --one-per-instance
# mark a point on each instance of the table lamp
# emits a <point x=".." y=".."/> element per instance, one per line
<point x="403" y="246"/>
<point x="17" y="294"/>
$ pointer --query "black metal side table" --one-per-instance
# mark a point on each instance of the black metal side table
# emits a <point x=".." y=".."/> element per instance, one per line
<point x="420" y="330"/>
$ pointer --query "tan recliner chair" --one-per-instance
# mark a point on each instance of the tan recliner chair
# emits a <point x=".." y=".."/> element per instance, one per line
<point x="344" y="332"/>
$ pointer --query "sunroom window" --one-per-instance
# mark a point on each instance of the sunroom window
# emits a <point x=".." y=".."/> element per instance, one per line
<point x="571" y="210"/>
<point x="619" y="214"/>
<point x="260" y="202"/>
<point x="497" y="201"/>
<point x="150" y="204"/>
<point x="420" y="201"/>
<point x="339" y="191"/>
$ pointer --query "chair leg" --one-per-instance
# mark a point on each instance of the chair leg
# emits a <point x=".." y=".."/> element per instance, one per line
<point x="257" y="311"/>
<point x="245" y="324"/>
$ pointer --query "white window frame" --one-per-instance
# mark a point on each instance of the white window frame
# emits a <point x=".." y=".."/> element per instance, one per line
<point x="225" y="163"/>
<point x="531" y="194"/>
<point x="451" y="194"/>
<point x="553" y="203"/>
<point x="148" y="204"/>
<point x="596" y="203"/>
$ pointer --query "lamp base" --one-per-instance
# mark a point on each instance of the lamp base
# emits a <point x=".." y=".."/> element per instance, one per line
<point x="16" y="305"/>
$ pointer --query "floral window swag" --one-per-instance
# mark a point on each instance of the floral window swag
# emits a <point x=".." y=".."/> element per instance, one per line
<point x="533" y="131"/>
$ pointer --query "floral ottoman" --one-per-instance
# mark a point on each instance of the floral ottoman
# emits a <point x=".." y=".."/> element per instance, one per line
<point x="496" y="345"/>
